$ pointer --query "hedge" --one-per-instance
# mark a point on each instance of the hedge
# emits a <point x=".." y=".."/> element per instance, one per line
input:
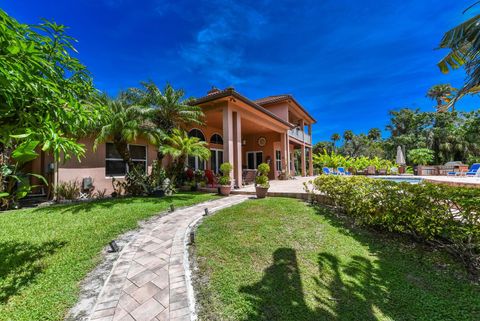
<point x="444" y="216"/>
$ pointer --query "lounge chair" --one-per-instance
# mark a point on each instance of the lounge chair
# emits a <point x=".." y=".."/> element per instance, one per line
<point x="342" y="171"/>
<point x="326" y="171"/>
<point x="474" y="170"/>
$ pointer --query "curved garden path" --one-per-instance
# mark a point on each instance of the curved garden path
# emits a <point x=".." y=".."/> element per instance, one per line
<point x="149" y="279"/>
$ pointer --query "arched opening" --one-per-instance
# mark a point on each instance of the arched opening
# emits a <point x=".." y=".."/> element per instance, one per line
<point x="216" y="139"/>
<point x="193" y="161"/>
<point x="197" y="133"/>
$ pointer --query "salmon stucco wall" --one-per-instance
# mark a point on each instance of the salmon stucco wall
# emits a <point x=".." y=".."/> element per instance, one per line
<point x="267" y="150"/>
<point x="93" y="165"/>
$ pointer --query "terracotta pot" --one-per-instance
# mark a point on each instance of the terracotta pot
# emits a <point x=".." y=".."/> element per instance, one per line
<point x="261" y="191"/>
<point x="225" y="190"/>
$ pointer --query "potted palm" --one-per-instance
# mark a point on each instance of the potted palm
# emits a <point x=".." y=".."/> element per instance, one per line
<point x="225" y="181"/>
<point x="261" y="181"/>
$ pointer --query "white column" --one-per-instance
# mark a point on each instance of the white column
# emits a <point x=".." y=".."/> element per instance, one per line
<point x="283" y="152"/>
<point x="304" y="172"/>
<point x="228" y="136"/>
<point x="287" y="153"/>
<point x="237" y="143"/>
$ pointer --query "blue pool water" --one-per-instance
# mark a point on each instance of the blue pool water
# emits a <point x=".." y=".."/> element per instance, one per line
<point x="397" y="179"/>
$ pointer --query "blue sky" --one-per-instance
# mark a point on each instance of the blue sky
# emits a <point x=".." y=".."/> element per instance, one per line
<point x="347" y="62"/>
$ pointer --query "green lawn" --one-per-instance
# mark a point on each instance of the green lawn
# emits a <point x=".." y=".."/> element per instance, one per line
<point x="280" y="259"/>
<point x="45" y="252"/>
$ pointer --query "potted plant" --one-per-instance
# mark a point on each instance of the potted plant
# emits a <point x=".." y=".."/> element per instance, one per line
<point x="225" y="181"/>
<point x="261" y="181"/>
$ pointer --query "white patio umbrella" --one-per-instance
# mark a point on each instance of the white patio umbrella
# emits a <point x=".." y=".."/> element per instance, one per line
<point x="400" y="160"/>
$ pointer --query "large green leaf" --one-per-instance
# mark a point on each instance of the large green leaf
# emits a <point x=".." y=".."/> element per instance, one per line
<point x="25" y="152"/>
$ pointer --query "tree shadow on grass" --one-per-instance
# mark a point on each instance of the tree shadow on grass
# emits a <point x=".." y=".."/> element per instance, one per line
<point x="21" y="263"/>
<point x="404" y="280"/>
<point x="280" y="294"/>
<point x="96" y="204"/>
<point x="398" y="281"/>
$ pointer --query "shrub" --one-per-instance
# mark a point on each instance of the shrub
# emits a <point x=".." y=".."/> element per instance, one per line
<point x="67" y="190"/>
<point x="262" y="179"/>
<point x="444" y="216"/>
<point x="225" y="168"/>
<point x="421" y="156"/>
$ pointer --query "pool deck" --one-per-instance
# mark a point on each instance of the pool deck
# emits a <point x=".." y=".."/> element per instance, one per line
<point x="294" y="187"/>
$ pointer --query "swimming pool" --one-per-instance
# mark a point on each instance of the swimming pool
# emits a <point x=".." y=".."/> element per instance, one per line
<point x="400" y="179"/>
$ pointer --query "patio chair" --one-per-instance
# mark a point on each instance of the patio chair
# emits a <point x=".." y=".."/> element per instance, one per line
<point x="474" y="170"/>
<point x="382" y="171"/>
<point x="326" y="171"/>
<point x="249" y="176"/>
<point x="371" y="170"/>
<point x="342" y="171"/>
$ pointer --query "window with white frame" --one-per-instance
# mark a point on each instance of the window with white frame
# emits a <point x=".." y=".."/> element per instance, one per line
<point x="116" y="166"/>
<point x="278" y="160"/>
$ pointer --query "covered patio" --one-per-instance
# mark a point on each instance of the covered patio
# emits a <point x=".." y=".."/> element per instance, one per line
<point x="242" y="133"/>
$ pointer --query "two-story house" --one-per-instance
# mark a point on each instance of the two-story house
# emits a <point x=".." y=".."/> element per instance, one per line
<point x="248" y="132"/>
<point x="238" y="130"/>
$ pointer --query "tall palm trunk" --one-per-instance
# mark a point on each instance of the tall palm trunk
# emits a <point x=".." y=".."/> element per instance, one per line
<point x="122" y="149"/>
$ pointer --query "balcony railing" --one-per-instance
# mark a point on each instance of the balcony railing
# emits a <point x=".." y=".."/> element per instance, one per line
<point x="300" y="135"/>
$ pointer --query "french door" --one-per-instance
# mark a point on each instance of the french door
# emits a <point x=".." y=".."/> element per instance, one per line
<point x="254" y="159"/>
<point x="216" y="159"/>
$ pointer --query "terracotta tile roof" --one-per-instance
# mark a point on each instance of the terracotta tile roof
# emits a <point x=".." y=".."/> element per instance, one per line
<point x="278" y="98"/>
<point x="272" y="99"/>
<point x="230" y="91"/>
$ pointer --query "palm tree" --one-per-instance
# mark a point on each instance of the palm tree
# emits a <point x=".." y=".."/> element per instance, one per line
<point x="123" y="123"/>
<point x="348" y="135"/>
<point x="335" y="138"/>
<point x="443" y="94"/>
<point x="464" y="47"/>
<point x="169" y="109"/>
<point x="374" y="134"/>
<point x="179" y="146"/>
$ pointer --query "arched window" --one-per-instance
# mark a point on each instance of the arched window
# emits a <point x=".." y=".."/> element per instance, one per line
<point x="216" y="139"/>
<point x="196" y="133"/>
<point x="194" y="162"/>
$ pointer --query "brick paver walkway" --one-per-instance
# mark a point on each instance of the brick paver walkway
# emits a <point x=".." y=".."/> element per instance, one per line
<point x="148" y="281"/>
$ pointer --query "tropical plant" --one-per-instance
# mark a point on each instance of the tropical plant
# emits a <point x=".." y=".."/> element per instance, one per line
<point x="226" y="169"/>
<point x="179" y="146"/>
<point x="67" y="190"/>
<point x="330" y="160"/>
<point x="47" y="98"/>
<point x="421" y="156"/>
<point x="374" y="134"/>
<point x="46" y="94"/>
<point x="169" y="109"/>
<point x="348" y="135"/>
<point x="334" y="138"/>
<point x="262" y="179"/>
<point x="423" y="211"/>
<point x="464" y="45"/>
<point x="443" y="95"/>
<point x="123" y="123"/>
<point x="14" y="182"/>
